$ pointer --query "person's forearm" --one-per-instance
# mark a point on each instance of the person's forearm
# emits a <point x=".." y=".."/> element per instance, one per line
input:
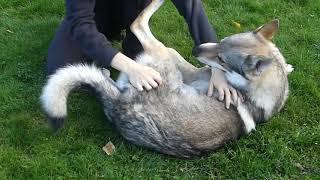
<point x="83" y="30"/>
<point x="198" y="23"/>
<point x="122" y="63"/>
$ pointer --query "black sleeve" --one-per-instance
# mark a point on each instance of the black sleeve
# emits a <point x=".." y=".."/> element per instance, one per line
<point x="198" y="23"/>
<point x="83" y="30"/>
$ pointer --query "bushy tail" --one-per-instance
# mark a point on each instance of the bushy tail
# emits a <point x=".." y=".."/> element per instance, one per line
<point x="55" y="92"/>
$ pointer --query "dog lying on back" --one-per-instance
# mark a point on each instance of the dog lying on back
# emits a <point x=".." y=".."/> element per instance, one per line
<point x="178" y="118"/>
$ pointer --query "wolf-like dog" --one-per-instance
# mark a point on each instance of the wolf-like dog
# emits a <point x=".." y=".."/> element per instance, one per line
<point x="178" y="118"/>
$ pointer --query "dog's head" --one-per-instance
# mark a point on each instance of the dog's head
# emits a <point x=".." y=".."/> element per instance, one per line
<point x="249" y="54"/>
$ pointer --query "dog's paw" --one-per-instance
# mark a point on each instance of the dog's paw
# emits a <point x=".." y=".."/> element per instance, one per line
<point x="236" y="79"/>
<point x="289" y="68"/>
<point x="247" y="119"/>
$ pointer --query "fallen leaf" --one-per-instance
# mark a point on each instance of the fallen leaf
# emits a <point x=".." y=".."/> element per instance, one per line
<point x="109" y="148"/>
<point x="299" y="166"/>
<point x="9" y="31"/>
<point x="236" y="24"/>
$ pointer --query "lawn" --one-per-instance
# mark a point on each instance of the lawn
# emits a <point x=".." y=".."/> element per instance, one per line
<point x="288" y="146"/>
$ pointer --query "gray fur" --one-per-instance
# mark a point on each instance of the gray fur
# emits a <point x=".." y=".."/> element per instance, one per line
<point x="176" y="118"/>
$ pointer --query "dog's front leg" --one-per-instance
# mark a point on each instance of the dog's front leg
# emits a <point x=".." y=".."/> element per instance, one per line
<point x="236" y="80"/>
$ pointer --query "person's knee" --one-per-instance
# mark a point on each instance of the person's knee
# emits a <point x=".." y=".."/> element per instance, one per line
<point x="52" y="64"/>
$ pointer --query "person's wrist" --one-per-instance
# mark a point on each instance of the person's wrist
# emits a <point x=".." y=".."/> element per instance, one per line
<point x="125" y="67"/>
<point x="122" y="63"/>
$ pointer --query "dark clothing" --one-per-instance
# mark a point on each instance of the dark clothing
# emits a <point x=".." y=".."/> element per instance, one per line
<point x="83" y="35"/>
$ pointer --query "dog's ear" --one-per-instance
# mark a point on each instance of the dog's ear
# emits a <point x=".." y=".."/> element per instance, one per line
<point x="206" y="50"/>
<point x="258" y="64"/>
<point x="268" y="30"/>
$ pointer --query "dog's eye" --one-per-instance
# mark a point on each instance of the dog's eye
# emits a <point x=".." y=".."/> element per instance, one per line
<point x="222" y="58"/>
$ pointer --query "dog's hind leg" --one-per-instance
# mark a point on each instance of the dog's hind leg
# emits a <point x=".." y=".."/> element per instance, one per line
<point x="141" y="30"/>
<point x="156" y="49"/>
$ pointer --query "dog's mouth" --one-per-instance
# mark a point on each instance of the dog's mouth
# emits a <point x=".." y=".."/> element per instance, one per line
<point x="224" y="63"/>
<point x="216" y="63"/>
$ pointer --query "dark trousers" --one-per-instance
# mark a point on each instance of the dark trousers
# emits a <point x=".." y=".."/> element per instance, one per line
<point x="111" y="18"/>
<point x="120" y="15"/>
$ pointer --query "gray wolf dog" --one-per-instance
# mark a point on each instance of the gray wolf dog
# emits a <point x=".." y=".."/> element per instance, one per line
<point x="178" y="118"/>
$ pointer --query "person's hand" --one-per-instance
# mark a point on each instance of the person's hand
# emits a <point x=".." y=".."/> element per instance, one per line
<point x="139" y="75"/>
<point x="143" y="76"/>
<point x="219" y="81"/>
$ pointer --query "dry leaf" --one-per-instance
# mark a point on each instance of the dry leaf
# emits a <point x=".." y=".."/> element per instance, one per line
<point x="299" y="166"/>
<point x="109" y="148"/>
<point x="9" y="31"/>
<point x="236" y="24"/>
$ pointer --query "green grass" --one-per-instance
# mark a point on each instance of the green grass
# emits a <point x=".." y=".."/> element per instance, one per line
<point x="286" y="147"/>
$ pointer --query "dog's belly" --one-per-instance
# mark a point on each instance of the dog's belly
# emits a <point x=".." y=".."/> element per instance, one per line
<point x="175" y="118"/>
<point x="176" y="122"/>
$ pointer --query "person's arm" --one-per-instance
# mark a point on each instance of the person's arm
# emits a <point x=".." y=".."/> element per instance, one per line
<point x="139" y="75"/>
<point x="198" y="23"/>
<point x="80" y="15"/>
<point x="83" y="30"/>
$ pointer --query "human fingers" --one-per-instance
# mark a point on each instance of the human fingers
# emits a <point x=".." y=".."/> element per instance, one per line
<point x="221" y="94"/>
<point x="138" y="86"/>
<point x="210" y="89"/>
<point x="227" y="97"/>
<point x="146" y="85"/>
<point x="234" y="94"/>
<point x="157" y="77"/>
<point x="152" y="82"/>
